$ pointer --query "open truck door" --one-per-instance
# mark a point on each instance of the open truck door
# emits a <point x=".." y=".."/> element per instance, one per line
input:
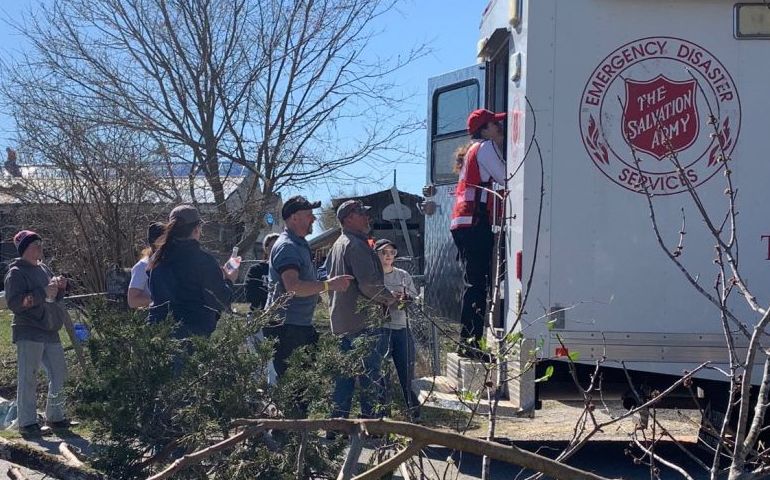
<point x="452" y="97"/>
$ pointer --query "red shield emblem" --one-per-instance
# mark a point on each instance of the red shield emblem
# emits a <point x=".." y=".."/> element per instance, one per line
<point x="661" y="115"/>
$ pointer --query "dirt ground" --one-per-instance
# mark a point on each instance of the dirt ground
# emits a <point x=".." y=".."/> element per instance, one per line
<point x="552" y="424"/>
<point x="561" y="411"/>
<point x="557" y="419"/>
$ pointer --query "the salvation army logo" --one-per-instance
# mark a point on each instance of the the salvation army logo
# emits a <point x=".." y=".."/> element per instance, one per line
<point x="651" y="99"/>
<point x="659" y="123"/>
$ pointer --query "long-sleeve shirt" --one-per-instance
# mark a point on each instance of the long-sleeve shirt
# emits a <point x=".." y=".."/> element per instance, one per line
<point x="491" y="165"/>
<point x="352" y="255"/>
<point x="398" y="282"/>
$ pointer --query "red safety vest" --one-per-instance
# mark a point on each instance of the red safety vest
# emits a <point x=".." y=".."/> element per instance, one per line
<point x="468" y="194"/>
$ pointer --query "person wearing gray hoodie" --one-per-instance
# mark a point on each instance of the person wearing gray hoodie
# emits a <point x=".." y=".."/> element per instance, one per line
<point x="32" y="292"/>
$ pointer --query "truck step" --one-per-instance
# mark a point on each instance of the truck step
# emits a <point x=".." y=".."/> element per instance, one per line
<point x="467" y="374"/>
<point x="441" y="392"/>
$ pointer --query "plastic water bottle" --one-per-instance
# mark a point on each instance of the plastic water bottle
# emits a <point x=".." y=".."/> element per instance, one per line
<point x="234" y="262"/>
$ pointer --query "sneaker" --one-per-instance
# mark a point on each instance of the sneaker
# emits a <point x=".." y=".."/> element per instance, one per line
<point x="65" y="424"/>
<point x="34" y="430"/>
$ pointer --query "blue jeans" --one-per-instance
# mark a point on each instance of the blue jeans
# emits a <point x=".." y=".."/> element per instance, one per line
<point x="399" y="345"/>
<point x="369" y="380"/>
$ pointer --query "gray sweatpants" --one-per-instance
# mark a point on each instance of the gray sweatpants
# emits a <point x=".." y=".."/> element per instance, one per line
<point x="29" y="357"/>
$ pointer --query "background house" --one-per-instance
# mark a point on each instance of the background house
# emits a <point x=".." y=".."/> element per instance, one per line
<point x="394" y="215"/>
<point x="90" y="233"/>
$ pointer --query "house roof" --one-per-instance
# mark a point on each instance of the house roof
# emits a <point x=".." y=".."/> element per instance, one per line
<point x="325" y="237"/>
<point x="52" y="189"/>
<point x="336" y="202"/>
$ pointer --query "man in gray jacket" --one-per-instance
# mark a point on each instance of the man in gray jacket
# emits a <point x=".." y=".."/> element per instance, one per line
<point x="32" y="293"/>
<point x="356" y="312"/>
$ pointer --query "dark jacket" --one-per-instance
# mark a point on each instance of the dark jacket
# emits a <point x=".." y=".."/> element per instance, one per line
<point x="189" y="284"/>
<point x="256" y="284"/>
<point x="24" y="278"/>
<point x="352" y="255"/>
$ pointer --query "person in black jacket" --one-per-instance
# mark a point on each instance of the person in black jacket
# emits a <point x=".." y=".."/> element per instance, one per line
<point x="257" y="278"/>
<point x="185" y="280"/>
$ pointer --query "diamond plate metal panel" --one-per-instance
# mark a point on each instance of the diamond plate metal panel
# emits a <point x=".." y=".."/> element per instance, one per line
<point x="443" y="277"/>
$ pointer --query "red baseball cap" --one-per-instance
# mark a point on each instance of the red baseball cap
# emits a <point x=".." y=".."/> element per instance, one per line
<point x="478" y="118"/>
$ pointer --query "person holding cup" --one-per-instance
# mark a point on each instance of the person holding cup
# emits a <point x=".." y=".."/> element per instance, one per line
<point x="32" y="293"/>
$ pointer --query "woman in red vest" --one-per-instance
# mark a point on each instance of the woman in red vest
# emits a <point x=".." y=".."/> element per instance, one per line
<point x="479" y="164"/>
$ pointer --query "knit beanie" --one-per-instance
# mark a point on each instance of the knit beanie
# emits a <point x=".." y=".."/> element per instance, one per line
<point x="23" y="239"/>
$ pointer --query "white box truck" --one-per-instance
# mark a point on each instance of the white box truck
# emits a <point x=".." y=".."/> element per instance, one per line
<point x="580" y="80"/>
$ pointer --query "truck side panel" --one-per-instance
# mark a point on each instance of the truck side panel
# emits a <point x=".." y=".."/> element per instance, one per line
<point x="606" y="79"/>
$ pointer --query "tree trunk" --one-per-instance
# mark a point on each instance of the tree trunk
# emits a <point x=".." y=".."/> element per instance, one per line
<point x="46" y="463"/>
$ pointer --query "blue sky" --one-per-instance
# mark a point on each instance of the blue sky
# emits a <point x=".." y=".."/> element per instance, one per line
<point x="450" y="27"/>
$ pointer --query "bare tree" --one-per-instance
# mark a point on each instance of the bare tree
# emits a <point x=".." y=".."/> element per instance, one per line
<point x="744" y="419"/>
<point x="222" y="87"/>
<point x="91" y="191"/>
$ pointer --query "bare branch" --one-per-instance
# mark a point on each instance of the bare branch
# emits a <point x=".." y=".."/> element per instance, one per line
<point x="392" y="463"/>
<point x="418" y="433"/>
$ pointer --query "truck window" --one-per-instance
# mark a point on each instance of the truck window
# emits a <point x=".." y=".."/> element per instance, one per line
<point x="497" y="77"/>
<point x="451" y="107"/>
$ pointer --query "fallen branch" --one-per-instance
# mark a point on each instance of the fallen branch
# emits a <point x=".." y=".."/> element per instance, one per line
<point x="44" y="462"/>
<point x="70" y="455"/>
<point x="14" y="473"/>
<point x="430" y="436"/>
<point x="200" y="455"/>
<point x="161" y="455"/>
<point x="392" y="463"/>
